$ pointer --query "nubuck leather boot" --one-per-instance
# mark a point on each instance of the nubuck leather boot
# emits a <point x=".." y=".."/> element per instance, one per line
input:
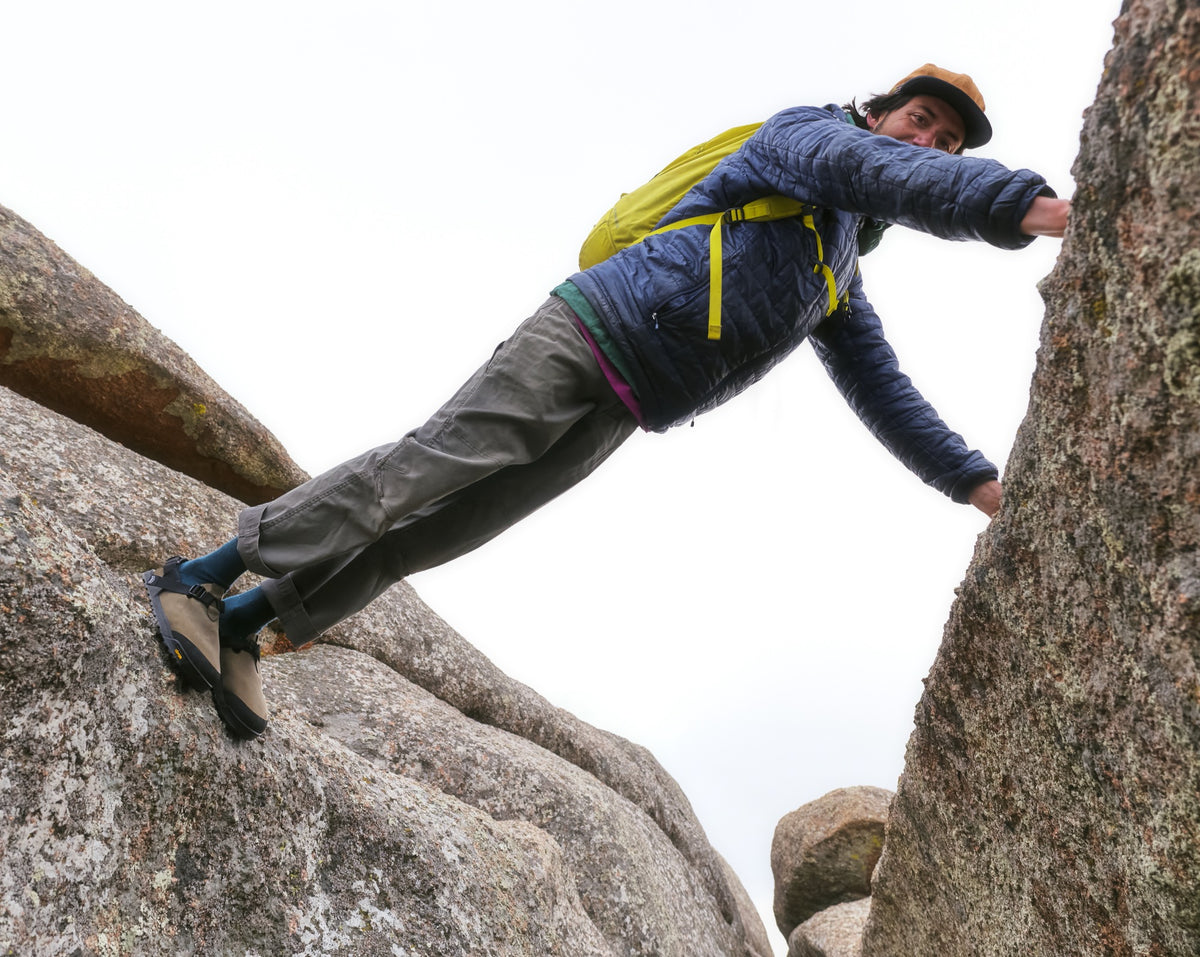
<point x="188" y="618"/>
<point x="189" y="624"/>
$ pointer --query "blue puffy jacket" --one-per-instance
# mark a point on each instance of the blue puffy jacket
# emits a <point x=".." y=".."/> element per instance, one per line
<point x="652" y="298"/>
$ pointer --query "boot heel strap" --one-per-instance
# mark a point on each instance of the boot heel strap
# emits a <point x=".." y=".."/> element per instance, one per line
<point x="169" y="581"/>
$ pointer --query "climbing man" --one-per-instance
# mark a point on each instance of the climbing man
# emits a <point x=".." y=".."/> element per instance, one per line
<point x="651" y="336"/>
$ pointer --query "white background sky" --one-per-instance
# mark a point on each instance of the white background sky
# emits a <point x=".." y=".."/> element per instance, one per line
<point x="340" y="208"/>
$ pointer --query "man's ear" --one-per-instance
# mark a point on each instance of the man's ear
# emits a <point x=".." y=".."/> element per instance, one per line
<point x="872" y="119"/>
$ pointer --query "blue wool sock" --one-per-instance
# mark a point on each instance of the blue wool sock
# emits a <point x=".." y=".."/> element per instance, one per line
<point x="221" y="567"/>
<point x="244" y="614"/>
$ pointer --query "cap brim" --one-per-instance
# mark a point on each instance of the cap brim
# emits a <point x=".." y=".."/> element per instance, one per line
<point x="976" y="128"/>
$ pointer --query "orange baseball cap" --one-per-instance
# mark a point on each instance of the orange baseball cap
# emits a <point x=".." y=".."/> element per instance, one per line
<point x="957" y="89"/>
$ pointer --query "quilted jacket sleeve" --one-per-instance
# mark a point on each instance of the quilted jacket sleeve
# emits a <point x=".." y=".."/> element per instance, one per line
<point x="812" y="155"/>
<point x="863" y="366"/>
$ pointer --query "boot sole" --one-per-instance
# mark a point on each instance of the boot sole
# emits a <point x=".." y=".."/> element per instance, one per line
<point x="239" y="719"/>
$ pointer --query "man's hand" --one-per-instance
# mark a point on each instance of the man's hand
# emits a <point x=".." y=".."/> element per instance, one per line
<point x="986" y="497"/>
<point x="1046" y="217"/>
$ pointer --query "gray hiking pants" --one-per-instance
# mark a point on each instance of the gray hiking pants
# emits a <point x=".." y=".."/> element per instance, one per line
<point x="534" y="420"/>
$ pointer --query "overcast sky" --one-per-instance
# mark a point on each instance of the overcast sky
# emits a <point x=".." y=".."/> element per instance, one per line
<point x="340" y="209"/>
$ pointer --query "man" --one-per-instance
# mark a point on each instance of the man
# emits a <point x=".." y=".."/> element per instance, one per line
<point x="629" y="343"/>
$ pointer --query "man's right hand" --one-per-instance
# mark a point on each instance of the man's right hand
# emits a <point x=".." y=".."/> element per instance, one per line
<point x="986" y="497"/>
<point x="1046" y="217"/>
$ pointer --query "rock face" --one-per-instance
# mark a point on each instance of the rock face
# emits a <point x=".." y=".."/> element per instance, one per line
<point x="1050" y="802"/>
<point x="408" y="798"/>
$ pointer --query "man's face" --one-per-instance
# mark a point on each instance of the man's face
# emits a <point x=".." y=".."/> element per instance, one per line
<point x="923" y="121"/>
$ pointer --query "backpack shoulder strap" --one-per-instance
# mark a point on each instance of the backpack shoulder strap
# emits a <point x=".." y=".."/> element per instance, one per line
<point x="759" y="211"/>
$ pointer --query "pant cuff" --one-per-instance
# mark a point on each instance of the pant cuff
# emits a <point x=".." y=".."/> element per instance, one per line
<point x="249" y="522"/>
<point x="289" y="609"/>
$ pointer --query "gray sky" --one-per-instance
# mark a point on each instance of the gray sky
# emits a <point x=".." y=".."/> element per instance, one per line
<point x="340" y="209"/>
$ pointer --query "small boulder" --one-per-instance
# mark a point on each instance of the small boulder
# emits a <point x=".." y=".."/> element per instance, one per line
<point x="834" y="932"/>
<point x="825" y="852"/>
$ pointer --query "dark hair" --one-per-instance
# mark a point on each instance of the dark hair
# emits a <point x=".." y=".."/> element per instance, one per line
<point x="877" y="105"/>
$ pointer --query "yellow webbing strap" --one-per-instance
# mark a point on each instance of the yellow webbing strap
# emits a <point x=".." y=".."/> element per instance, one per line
<point x="714" y="280"/>
<point x="821" y="268"/>
<point x="772" y="207"/>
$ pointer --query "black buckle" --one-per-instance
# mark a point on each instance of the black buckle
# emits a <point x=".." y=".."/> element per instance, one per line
<point x="205" y="597"/>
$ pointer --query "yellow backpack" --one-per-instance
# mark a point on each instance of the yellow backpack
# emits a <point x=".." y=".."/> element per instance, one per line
<point x="636" y="215"/>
